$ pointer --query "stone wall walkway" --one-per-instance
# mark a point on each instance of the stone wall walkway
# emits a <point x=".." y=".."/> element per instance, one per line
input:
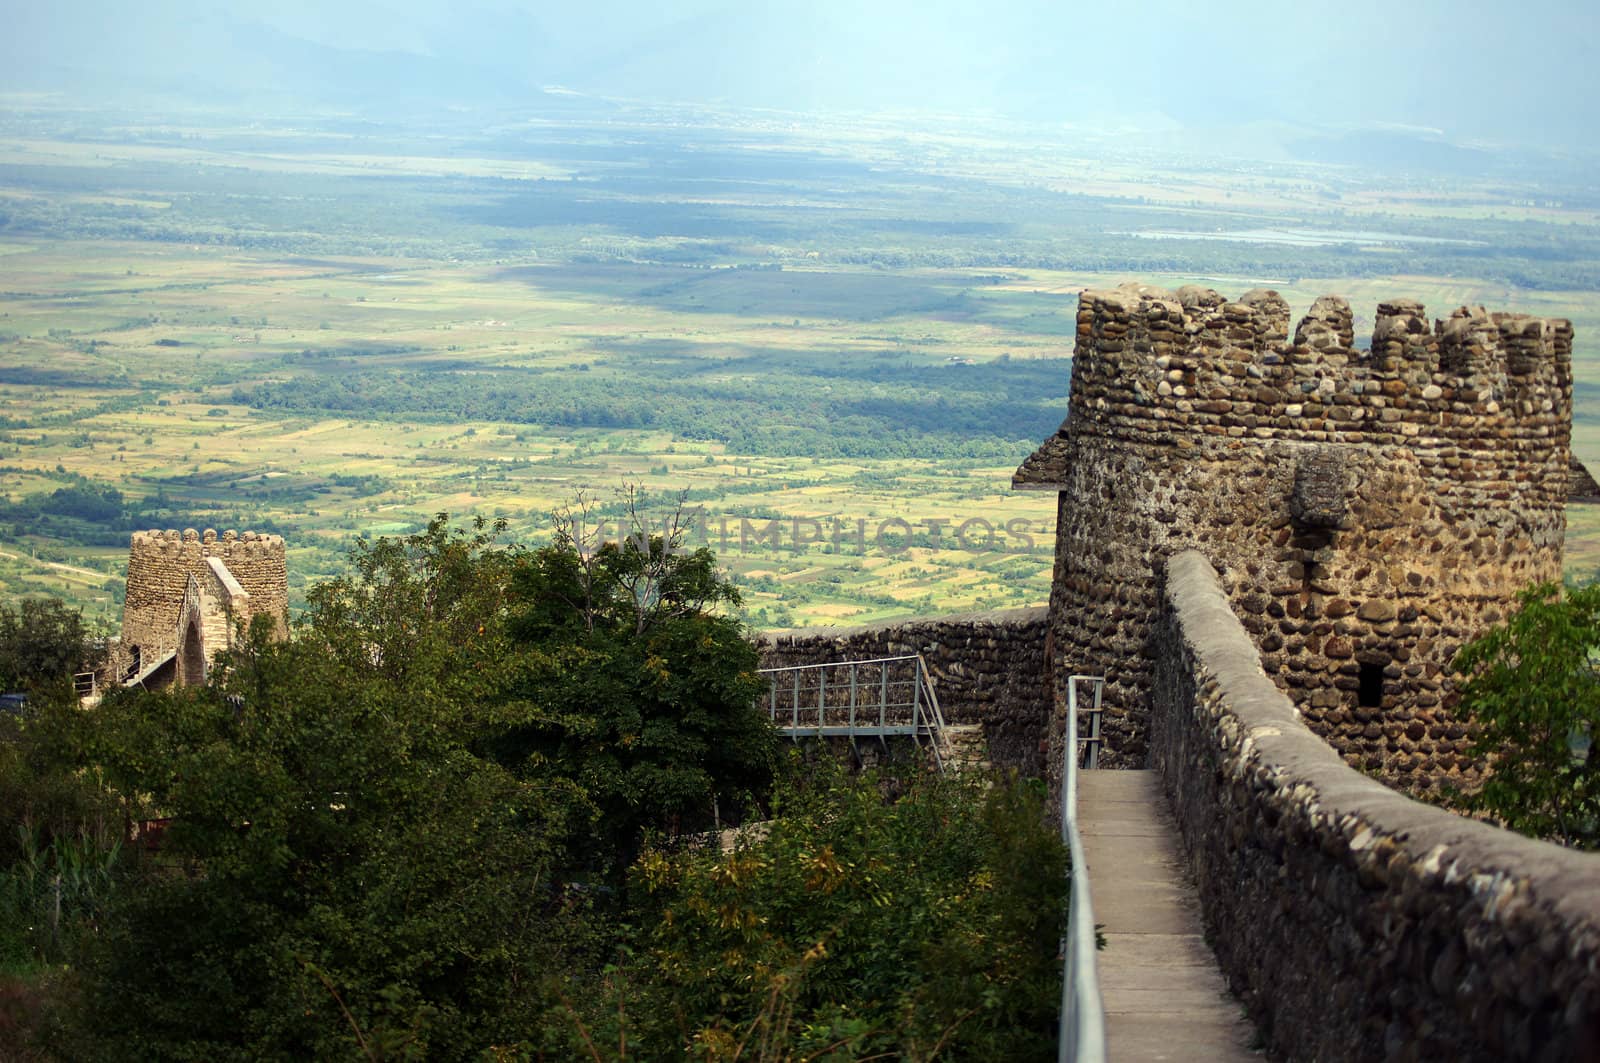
<point x="1164" y="997"/>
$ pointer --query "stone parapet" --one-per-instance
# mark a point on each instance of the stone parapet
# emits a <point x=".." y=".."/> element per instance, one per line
<point x="1193" y="362"/>
<point x="1353" y="922"/>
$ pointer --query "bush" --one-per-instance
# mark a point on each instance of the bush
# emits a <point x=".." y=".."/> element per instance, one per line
<point x="852" y="926"/>
<point x="55" y="892"/>
<point x="384" y="830"/>
<point x="407" y="833"/>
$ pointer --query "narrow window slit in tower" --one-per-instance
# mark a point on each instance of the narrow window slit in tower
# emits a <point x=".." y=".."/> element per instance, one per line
<point x="1370" y="693"/>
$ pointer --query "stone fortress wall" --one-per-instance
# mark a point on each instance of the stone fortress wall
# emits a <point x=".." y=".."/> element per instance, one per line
<point x="988" y="669"/>
<point x="1352" y="921"/>
<point x="1368" y="511"/>
<point x="238" y="576"/>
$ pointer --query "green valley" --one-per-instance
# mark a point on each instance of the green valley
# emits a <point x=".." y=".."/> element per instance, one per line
<point x="327" y="329"/>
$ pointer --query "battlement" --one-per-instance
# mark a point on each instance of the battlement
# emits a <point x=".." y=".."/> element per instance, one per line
<point x="239" y="575"/>
<point x="170" y="540"/>
<point x="1194" y="358"/>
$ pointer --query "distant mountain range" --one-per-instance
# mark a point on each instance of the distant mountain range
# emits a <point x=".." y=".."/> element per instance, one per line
<point x="1522" y="80"/>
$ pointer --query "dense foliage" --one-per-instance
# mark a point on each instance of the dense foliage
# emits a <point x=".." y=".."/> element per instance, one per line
<point x="43" y="644"/>
<point x="850" y="930"/>
<point x="82" y="511"/>
<point x="1533" y="693"/>
<point x="61" y="834"/>
<point x="453" y="819"/>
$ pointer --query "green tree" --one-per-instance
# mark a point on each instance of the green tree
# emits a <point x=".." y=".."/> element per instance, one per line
<point x="608" y="664"/>
<point x="61" y="835"/>
<point x="340" y="873"/>
<point x="385" y="830"/>
<point x="42" y="643"/>
<point x="405" y="834"/>
<point x="1532" y="690"/>
<point x="851" y="927"/>
<point x="638" y="688"/>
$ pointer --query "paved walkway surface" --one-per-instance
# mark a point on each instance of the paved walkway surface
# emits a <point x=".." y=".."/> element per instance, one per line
<point x="1164" y="997"/>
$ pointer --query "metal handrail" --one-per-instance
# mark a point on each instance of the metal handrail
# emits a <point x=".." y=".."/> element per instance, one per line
<point x="837" y="664"/>
<point x="930" y="693"/>
<point x="918" y="716"/>
<point x="1083" y="1019"/>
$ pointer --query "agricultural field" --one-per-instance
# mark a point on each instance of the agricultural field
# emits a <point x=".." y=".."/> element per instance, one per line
<point x="199" y="420"/>
<point x="830" y="346"/>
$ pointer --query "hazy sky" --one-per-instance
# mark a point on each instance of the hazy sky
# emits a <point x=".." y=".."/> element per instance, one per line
<point x="1514" y="72"/>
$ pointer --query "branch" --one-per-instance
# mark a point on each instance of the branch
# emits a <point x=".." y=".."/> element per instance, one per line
<point x="583" y="1031"/>
<point x="361" y="1040"/>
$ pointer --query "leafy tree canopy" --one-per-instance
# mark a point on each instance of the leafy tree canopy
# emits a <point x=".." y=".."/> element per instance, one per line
<point x="42" y="643"/>
<point x="1533" y="692"/>
<point x="381" y="829"/>
<point x="849" y="930"/>
<point x="448" y="820"/>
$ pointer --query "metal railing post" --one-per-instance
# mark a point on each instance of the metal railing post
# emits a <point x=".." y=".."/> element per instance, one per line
<point x="854" y="668"/>
<point x="935" y="717"/>
<point x="1094" y="727"/>
<point x="933" y="695"/>
<point x="916" y="693"/>
<point x="822" y="701"/>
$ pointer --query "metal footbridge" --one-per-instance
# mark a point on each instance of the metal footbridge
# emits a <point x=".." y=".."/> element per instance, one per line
<point x="878" y="698"/>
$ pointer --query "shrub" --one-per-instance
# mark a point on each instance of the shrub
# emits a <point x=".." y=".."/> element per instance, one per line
<point x="851" y="926"/>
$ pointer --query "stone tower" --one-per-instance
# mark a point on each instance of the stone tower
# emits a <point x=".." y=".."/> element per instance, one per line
<point x="186" y="594"/>
<point x="1369" y="510"/>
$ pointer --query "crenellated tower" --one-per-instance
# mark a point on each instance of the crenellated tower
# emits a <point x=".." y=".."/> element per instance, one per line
<point x="188" y="591"/>
<point x="1369" y="509"/>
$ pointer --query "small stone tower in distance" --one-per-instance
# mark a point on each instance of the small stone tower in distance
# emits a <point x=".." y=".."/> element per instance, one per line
<point x="1369" y="510"/>
<point x="187" y="594"/>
